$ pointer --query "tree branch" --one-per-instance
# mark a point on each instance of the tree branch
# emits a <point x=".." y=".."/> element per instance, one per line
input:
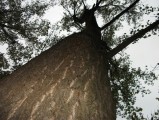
<point x="10" y="27"/>
<point x="98" y="2"/>
<point x="96" y="6"/>
<point x="131" y="39"/>
<point x="119" y="15"/>
<point x="84" y="4"/>
<point x="75" y="18"/>
<point x="8" y="35"/>
<point x="104" y="6"/>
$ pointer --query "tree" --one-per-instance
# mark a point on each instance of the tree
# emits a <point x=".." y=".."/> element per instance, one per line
<point x="78" y="78"/>
<point x="21" y="21"/>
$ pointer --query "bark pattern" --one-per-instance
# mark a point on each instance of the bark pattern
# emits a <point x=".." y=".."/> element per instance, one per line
<point x="67" y="82"/>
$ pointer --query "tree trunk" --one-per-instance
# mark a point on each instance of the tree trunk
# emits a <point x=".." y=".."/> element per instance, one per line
<point x="67" y="82"/>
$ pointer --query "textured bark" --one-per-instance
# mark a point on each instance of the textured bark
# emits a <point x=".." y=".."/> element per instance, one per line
<point x="67" y="82"/>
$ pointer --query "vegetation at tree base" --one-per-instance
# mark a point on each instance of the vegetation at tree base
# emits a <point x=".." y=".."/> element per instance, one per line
<point x="21" y="22"/>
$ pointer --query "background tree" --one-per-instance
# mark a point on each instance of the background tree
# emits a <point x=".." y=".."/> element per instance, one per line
<point x="22" y="28"/>
<point x="123" y="79"/>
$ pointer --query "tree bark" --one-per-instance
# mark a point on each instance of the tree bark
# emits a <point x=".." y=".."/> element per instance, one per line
<point x="67" y="82"/>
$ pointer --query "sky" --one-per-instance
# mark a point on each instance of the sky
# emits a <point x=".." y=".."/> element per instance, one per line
<point x="144" y="52"/>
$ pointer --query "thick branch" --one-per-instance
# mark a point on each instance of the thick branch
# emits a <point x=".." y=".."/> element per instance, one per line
<point x="119" y="15"/>
<point x="133" y="38"/>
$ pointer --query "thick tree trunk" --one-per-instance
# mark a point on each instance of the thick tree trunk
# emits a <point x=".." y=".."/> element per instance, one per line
<point x="67" y="82"/>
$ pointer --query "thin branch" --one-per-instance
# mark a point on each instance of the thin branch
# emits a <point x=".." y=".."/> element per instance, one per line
<point x="10" y="27"/>
<point x="17" y="28"/>
<point x="4" y="11"/>
<point x="155" y="66"/>
<point x="84" y="4"/>
<point x="133" y="38"/>
<point x="103" y="6"/>
<point x="98" y="3"/>
<point x="96" y="6"/>
<point x="78" y="24"/>
<point x="119" y="15"/>
<point x="75" y="18"/>
<point x="68" y="11"/>
<point x="8" y="35"/>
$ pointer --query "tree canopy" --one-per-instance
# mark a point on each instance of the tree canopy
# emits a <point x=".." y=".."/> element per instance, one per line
<point x="21" y="22"/>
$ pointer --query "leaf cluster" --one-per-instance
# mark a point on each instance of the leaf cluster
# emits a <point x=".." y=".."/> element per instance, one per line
<point x="126" y="83"/>
<point x="21" y="24"/>
<point x="19" y="18"/>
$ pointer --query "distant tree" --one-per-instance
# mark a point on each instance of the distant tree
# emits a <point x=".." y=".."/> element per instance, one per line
<point x="80" y="78"/>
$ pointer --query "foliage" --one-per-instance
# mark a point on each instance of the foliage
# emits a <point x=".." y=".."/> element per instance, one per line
<point x="21" y="24"/>
<point x="3" y="65"/>
<point x="126" y="82"/>
<point x="155" y="115"/>
<point x="108" y="9"/>
<point x="22" y="19"/>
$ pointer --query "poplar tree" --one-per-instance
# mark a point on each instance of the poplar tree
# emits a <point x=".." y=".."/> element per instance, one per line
<point x="81" y="77"/>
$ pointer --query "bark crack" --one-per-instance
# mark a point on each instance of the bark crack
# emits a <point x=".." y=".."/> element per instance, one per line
<point x="16" y="107"/>
<point x="70" y="96"/>
<point x="73" y="115"/>
<point x="37" y="105"/>
<point x="59" y="65"/>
